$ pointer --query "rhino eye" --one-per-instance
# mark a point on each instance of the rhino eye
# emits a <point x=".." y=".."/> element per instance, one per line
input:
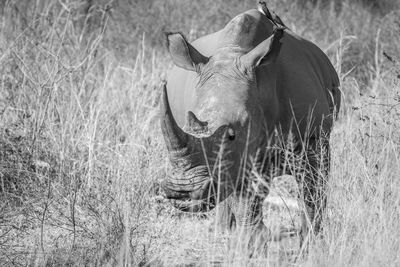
<point x="231" y="134"/>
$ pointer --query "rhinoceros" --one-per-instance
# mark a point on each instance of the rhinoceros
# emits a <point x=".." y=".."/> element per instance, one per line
<point x="231" y="99"/>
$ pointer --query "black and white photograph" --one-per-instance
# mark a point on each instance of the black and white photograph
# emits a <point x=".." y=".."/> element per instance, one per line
<point x="180" y="133"/>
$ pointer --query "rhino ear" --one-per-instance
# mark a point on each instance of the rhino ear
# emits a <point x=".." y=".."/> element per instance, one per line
<point x="266" y="52"/>
<point x="183" y="53"/>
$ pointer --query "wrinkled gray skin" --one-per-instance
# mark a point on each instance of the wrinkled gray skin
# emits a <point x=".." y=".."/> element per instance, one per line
<point x="233" y="93"/>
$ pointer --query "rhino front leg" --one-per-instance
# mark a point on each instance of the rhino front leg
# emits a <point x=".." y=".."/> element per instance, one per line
<point x="314" y="187"/>
<point x="224" y="217"/>
<point x="252" y="234"/>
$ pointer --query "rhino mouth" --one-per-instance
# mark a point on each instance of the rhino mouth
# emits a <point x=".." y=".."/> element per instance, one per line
<point x="190" y="185"/>
<point x="186" y="200"/>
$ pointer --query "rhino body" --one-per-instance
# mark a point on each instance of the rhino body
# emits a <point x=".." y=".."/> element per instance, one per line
<point x="231" y="96"/>
<point x="301" y="77"/>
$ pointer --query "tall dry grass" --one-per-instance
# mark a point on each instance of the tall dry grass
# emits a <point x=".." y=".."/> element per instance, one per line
<point x="82" y="156"/>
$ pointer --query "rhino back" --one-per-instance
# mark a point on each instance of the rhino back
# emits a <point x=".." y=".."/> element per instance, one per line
<point x="246" y="30"/>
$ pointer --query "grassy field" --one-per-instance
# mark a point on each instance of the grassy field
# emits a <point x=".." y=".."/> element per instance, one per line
<point x="82" y="156"/>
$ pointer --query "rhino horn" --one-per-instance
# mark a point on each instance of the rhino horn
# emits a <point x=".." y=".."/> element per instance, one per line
<point x="194" y="125"/>
<point x="175" y="138"/>
<point x="190" y="178"/>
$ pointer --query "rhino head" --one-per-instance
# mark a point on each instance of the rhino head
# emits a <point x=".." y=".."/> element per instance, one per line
<point x="226" y="127"/>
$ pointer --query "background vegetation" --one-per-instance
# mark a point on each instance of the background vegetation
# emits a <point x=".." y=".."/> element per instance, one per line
<point x="81" y="153"/>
